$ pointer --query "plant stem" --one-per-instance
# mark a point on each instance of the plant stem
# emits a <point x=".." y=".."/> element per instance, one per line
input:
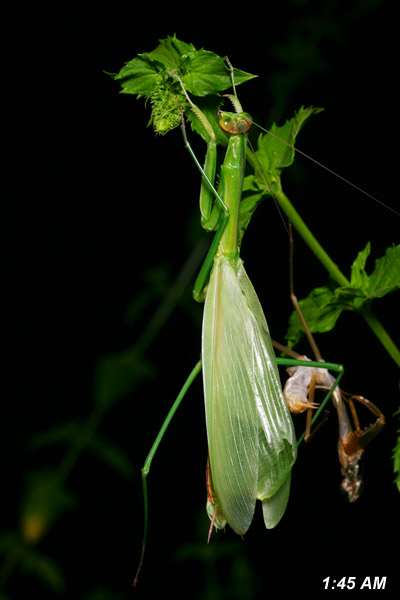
<point x="336" y="273"/>
<point x="309" y="239"/>
<point x="381" y="334"/>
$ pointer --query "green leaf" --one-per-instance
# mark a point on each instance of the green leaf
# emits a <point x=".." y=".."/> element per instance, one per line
<point x="320" y="312"/>
<point x="154" y="76"/>
<point x="207" y="73"/>
<point x="139" y="76"/>
<point x="143" y="74"/>
<point x="248" y="205"/>
<point x="275" y="149"/>
<point x="386" y="276"/>
<point x="169" y="52"/>
<point x="323" y="306"/>
<point x="359" y="278"/>
<point x="275" y="152"/>
<point x="383" y="280"/>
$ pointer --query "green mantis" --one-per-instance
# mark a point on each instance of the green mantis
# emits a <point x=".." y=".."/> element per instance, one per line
<point x="252" y="446"/>
<point x="251" y="439"/>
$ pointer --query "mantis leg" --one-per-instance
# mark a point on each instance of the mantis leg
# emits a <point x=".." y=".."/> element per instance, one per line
<point x="365" y="436"/>
<point x="146" y="468"/>
<point x="352" y="441"/>
<point x="212" y="216"/>
<point x="330" y="386"/>
<point x="352" y="444"/>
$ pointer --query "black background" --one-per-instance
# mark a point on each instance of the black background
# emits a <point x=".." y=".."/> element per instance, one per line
<point x="94" y="202"/>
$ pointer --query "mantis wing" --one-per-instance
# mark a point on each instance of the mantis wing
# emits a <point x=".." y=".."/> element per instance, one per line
<point x="250" y="433"/>
<point x="278" y="453"/>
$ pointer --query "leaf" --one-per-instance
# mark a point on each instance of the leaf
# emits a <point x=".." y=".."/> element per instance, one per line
<point x="155" y="74"/>
<point x="247" y="207"/>
<point x="320" y="312"/>
<point x="207" y="73"/>
<point x="143" y="74"/>
<point x="275" y="152"/>
<point x="275" y="149"/>
<point x="383" y="280"/>
<point x="139" y="76"/>
<point x="323" y="306"/>
<point x="359" y="278"/>
<point x="169" y="51"/>
<point x="386" y="276"/>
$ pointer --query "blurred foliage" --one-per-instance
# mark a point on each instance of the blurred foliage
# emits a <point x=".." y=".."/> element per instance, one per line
<point x="46" y="496"/>
<point x="299" y="53"/>
<point x="228" y="573"/>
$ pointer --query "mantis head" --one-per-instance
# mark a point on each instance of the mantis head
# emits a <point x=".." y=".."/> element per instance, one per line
<point x="234" y="122"/>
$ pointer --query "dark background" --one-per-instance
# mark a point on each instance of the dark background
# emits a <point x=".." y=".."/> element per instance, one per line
<point x="100" y="217"/>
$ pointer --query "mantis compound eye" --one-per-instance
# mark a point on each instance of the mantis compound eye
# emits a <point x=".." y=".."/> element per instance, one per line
<point x="234" y="122"/>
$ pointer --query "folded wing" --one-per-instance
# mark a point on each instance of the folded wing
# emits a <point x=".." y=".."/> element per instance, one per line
<point x="250" y="433"/>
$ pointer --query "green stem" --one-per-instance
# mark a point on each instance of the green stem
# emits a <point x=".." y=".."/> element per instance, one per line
<point x="381" y="334"/>
<point x="336" y="273"/>
<point x="309" y="239"/>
